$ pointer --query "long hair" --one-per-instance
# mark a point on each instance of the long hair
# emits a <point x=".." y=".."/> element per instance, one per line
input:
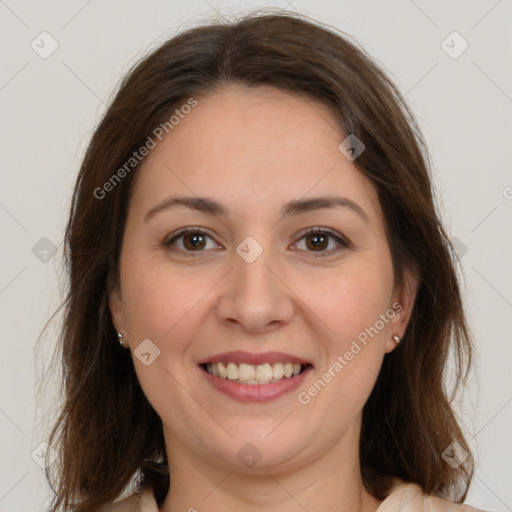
<point x="107" y="433"/>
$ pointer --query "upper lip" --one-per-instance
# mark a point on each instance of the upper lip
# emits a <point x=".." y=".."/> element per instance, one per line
<point x="239" y="356"/>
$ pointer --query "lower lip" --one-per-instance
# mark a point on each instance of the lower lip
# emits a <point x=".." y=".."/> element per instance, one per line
<point x="256" y="392"/>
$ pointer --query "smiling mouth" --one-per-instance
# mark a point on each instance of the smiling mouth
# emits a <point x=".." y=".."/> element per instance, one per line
<point x="254" y="374"/>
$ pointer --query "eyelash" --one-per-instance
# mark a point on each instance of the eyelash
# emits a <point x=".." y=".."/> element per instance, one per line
<point x="343" y="243"/>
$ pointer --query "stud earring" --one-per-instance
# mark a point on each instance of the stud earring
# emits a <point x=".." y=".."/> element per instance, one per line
<point x="120" y="337"/>
<point x="396" y="338"/>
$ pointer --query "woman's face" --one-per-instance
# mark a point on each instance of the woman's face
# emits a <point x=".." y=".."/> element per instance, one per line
<point x="269" y="280"/>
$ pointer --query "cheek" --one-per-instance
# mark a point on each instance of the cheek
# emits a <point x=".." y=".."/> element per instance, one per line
<point x="350" y="299"/>
<point x="349" y="304"/>
<point x="163" y="305"/>
<point x="169" y="306"/>
<point x="156" y="298"/>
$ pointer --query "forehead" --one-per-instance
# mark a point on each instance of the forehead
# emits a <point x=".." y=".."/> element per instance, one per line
<point x="250" y="147"/>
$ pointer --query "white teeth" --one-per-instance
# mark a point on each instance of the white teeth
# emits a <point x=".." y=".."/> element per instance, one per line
<point x="264" y="372"/>
<point x="222" y="370"/>
<point x="251" y="374"/>
<point x="278" y="370"/>
<point x="246" y="371"/>
<point x="232" y="371"/>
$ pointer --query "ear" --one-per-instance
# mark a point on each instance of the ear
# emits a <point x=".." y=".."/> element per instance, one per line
<point x="404" y="298"/>
<point x="116" y="310"/>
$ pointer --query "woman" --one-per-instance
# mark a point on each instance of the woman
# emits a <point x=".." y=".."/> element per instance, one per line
<point x="262" y="298"/>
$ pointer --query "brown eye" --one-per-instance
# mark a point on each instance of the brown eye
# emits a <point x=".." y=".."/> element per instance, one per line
<point x="189" y="240"/>
<point x="318" y="240"/>
<point x="194" y="241"/>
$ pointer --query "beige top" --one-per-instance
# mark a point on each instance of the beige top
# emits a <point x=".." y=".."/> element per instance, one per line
<point x="405" y="497"/>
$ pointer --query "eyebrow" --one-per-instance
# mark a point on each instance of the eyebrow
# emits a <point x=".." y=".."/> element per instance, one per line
<point x="296" y="207"/>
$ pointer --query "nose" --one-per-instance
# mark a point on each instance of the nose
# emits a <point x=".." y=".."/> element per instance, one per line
<point x="255" y="297"/>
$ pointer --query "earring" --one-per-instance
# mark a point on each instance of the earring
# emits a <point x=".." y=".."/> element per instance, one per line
<point x="396" y="338"/>
<point x="120" y="337"/>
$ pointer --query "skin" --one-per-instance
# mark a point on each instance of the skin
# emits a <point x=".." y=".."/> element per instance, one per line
<point x="253" y="150"/>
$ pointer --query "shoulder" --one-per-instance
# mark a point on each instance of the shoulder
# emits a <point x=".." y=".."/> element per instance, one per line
<point x="137" y="502"/>
<point x="408" y="497"/>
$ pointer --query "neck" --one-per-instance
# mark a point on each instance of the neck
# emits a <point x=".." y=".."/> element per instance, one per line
<point x="331" y="483"/>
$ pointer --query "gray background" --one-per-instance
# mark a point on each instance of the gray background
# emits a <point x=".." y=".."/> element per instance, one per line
<point x="49" y="107"/>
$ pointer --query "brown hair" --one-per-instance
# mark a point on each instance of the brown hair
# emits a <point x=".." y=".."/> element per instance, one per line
<point x="107" y="431"/>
